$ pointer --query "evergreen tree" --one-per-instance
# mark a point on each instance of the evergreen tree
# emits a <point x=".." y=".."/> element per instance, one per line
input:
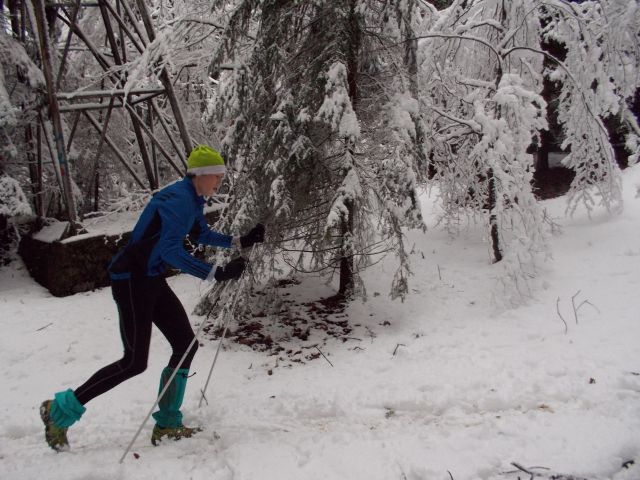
<point x="320" y="127"/>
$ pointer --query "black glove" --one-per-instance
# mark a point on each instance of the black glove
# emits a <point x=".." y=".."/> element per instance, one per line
<point x="255" y="235"/>
<point x="231" y="271"/>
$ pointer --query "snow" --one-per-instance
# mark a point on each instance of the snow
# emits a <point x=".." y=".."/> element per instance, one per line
<point x="336" y="110"/>
<point x="109" y="225"/>
<point x="13" y="201"/>
<point x="52" y="232"/>
<point x="470" y="389"/>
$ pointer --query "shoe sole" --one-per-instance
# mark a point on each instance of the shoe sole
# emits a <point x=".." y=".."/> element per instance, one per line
<point x="44" y="416"/>
<point x="157" y="441"/>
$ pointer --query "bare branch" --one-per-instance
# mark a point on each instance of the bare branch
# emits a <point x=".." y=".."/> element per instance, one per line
<point x="461" y="37"/>
<point x="575" y="312"/>
<point x="476" y="127"/>
<point x="588" y="303"/>
<point x="566" y="328"/>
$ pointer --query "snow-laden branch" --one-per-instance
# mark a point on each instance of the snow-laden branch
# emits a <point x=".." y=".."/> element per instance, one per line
<point x="484" y="23"/>
<point x="568" y="73"/>
<point x="513" y="32"/>
<point x="459" y="37"/>
<point x="473" y="125"/>
<point x="474" y="82"/>
<point x="196" y="20"/>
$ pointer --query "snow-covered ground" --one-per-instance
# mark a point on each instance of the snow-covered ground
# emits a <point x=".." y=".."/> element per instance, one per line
<point x="469" y="390"/>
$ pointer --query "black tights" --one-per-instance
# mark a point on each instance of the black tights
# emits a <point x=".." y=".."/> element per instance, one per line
<point x="141" y="302"/>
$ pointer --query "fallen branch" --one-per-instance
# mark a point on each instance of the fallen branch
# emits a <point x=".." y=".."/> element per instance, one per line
<point x="528" y="470"/>
<point x="549" y="476"/>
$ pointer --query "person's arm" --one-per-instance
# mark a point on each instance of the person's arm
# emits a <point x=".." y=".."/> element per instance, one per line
<point x="170" y="246"/>
<point x="206" y="236"/>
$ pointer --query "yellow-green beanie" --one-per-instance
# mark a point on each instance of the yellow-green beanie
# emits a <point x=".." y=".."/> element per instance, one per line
<point x="205" y="160"/>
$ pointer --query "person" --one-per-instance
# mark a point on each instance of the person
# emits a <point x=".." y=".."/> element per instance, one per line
<point x="143" y="298"/>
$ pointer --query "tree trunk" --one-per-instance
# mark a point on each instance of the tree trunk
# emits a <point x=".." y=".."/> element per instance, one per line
<point x="353" y="48"/>
<point x="15" y="17"/>
<point x="493" y="218"/>
<point x="617" y="131"/>
<point x="346" y="261"/>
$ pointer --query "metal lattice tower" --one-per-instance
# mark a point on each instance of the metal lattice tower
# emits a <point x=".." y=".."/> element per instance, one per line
<point x="123" y="35"/>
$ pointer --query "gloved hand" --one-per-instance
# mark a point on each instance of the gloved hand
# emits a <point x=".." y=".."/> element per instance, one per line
<point x="231" y="271"/>
<point x="255" y="235"/>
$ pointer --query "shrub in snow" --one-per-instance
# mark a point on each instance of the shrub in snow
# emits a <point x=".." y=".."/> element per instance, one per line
<point x="13" y="203"/>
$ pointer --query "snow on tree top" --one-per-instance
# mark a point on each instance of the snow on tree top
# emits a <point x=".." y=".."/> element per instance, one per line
<point x="13" y="201"/>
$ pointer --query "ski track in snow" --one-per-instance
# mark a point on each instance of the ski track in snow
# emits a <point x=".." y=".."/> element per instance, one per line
<point x="470" y="389"/>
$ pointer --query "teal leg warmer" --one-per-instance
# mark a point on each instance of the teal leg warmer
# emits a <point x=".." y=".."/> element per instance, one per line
<point x="169" y="414"/>
<point x="66" y="409"/>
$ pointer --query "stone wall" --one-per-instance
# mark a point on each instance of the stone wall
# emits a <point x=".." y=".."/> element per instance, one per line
<point x="76" y="264"/>
<point x="65" y="268"/>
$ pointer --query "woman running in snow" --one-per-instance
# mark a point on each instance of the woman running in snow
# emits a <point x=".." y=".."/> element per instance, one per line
<point x="144" y="298"/>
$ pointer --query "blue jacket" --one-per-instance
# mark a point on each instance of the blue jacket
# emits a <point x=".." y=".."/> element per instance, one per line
<point x="158" y="237"/>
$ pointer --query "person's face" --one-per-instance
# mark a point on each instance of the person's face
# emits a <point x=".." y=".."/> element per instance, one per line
<point x="207" y="185"/>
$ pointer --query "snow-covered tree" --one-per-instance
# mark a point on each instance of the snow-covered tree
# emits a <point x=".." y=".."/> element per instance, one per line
<point x="599" y="76"/>
<point x="320" y="125"/>
<point x="481" y="71"/>
<point x="484" y="107"/>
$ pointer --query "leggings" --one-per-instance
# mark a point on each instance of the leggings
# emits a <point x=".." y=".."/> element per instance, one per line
<point x="141" y="302"/>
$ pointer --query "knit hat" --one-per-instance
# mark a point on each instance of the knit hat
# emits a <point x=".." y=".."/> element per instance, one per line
<point x="205" y="160"/>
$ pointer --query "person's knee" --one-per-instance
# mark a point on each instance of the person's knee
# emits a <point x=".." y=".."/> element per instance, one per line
<point x="133" y="366"/>
<point x="138" y="369"/>
<point x="191" y="346"/>
<point x="191" y="351"/>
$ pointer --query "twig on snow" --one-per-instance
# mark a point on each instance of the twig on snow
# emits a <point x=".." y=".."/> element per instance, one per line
<point x="577" y="309"/>
<point x="396" y="349"/>
<point x="575" y="312"/>
<point x="588" y="303"/>
<point x="525" y="470"/>
<point x="451" y="476"/>
<point x="558" y="476"/>
<point x="324" y="356"/>
<point x="42" y="328"/>
<point x="566" y="328"/>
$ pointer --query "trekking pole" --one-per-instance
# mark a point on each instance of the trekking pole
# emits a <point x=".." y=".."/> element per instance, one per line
<point x="224" y="331"/>
<point x="175" y="371"/>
